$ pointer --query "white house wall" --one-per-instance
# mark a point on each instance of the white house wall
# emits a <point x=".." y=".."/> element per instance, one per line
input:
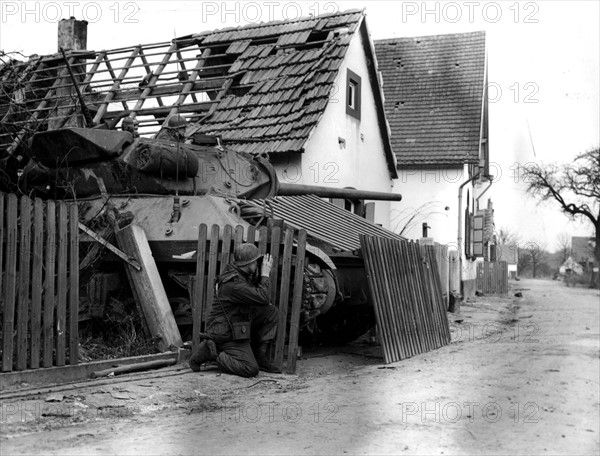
<point x="426" y="193"/>
<point x="360" y="162"/>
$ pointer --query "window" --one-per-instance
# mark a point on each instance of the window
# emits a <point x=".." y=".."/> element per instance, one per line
<point x="353" y="94"/>
<point x="352" y="88"/>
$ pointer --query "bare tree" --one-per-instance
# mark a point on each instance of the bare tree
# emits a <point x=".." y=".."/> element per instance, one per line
<point x="574" y="186"/>
<point x="533" y="255"/>
<point x="563" y="242"/>
<point x="505" y="236"/>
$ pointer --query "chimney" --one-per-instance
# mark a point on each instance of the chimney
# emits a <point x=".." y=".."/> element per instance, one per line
<point x="72" y="34"/>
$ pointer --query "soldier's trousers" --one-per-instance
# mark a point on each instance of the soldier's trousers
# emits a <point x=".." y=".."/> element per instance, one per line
<point x="236" y="356"/>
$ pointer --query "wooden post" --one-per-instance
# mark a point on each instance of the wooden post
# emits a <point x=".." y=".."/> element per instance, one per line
<point x="61" y="285"/>
<point x="73" y="285"/>
<point x="22" y="309"/>
<point x="49" y="284"/>
<point x="8" y="324"/>
<point x="284" y="296"/>
<point x="149" y="288"/>
<point x="199" y="285"/>
<point x="296" y="303"/>
<point x="36" y="282"/>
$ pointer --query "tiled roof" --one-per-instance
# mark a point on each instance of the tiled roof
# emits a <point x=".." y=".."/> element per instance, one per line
<point x="261" y="87"/>
<point x="284" y="72"/>
<point x="433" y="88"/>
<point x="322" y="220"/>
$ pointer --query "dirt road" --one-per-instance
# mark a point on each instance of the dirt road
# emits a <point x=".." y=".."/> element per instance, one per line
<point x="520" y="377"/>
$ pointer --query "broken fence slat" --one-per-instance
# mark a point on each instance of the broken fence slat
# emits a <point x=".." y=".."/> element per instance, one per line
<point x="156" y="364"/>
<point x="132" y="261"/>
<point x="151" y="292"/>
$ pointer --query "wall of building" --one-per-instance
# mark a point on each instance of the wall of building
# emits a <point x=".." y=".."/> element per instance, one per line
<point x="344" y="151"/>
<point x="431" y="196"/>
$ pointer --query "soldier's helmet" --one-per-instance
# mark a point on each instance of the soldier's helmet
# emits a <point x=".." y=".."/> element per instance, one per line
<point x="177" y="121"/>
<point x="129" y="123"/>
<point x="245" y="254"/>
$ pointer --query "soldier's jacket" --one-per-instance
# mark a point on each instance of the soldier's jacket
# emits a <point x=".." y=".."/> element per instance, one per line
<point x="169" y="134"/>
<point x="237" y="293"/>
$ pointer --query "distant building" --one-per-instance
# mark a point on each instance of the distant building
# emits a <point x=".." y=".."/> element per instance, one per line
<point x="436" y="103"/>
<point x="570" y="266"/>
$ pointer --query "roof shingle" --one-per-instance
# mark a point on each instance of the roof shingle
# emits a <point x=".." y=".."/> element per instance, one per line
<point x="433" y="90"/>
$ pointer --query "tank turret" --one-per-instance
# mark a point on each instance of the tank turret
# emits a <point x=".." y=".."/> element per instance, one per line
<point x="69" y="163"/>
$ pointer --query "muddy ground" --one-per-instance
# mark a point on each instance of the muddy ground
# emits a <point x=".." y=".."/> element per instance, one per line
<point x="521" y="376"/>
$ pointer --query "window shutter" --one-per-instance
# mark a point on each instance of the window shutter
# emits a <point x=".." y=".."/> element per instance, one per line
<point x="478" y="235"/>
<point x="370" y="212"/>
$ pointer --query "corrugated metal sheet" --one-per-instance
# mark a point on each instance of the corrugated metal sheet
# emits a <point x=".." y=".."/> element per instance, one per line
<point x="323" y="220"/>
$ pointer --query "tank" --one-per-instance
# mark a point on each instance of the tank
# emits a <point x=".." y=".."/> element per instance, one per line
<point x="170" y="188"/>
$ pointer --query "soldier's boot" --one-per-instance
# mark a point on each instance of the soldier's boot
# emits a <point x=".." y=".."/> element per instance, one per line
<point x="260" y="353"/>
<point x="206" y="351"/>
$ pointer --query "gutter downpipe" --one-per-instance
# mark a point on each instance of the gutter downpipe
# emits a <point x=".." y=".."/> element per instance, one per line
<point x="482" y="193"/>
<point x="460" y="238"/>
<point x="460" y="189"/>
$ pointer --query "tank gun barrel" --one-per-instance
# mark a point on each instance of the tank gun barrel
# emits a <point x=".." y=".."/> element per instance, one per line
<point x="285" y="189"/>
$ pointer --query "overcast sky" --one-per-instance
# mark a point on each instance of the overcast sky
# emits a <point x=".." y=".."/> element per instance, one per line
<point x="543" y="68"/>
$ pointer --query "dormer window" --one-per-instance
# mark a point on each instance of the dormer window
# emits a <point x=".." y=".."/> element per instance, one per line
<point x="353" y="94"/>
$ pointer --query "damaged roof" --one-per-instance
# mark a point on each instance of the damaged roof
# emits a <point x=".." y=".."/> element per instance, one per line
<point x="283" y="74"/>
<point x="434" y="88"/>
<point x="262" y="87"/>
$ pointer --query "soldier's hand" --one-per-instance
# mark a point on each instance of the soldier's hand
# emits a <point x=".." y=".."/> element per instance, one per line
<point x="267" y="264"/>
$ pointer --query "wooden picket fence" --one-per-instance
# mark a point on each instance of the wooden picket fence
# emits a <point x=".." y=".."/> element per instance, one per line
<point x="406" y="292"/>
<point x="287" y="247"/>
<point x="492" y="277"/>
<point x="39" y="283"/>
<point x="442" y="261"/>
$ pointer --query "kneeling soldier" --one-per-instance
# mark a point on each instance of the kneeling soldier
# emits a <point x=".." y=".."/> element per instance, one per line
<point x="240" y="297"/>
